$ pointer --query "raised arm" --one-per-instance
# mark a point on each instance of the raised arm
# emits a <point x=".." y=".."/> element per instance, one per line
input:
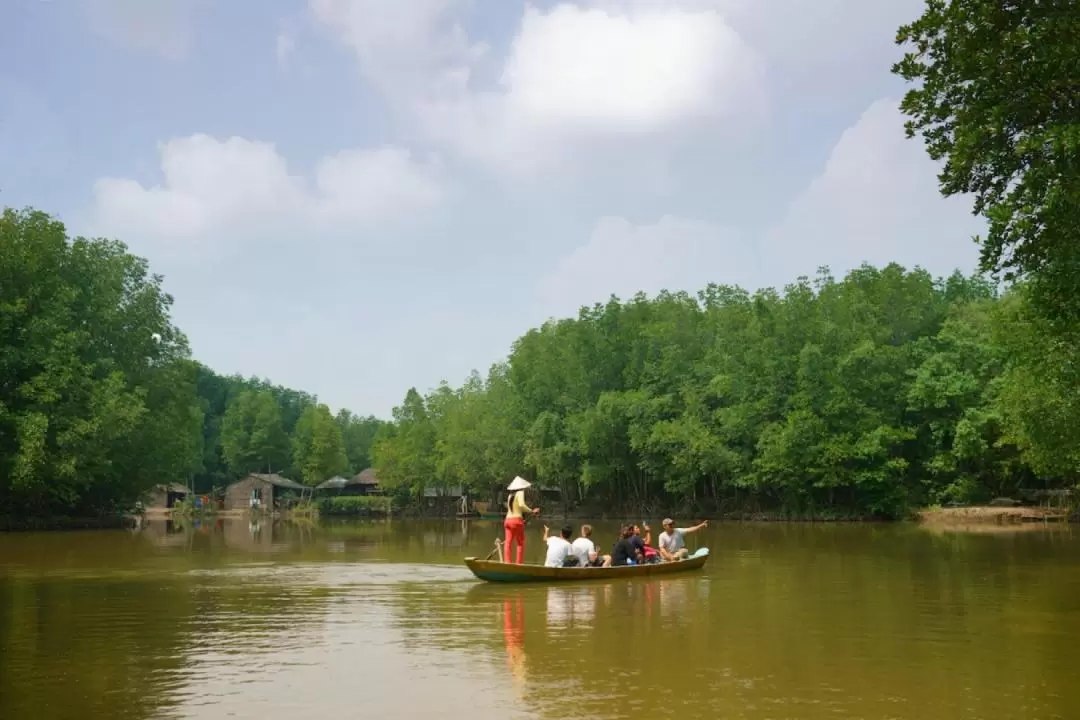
<point x="699" y="526"/>
<point x="546" y="533"/>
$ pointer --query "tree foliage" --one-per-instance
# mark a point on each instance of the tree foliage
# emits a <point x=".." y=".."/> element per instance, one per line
<point x="998" y="100"/>
<point x="871" y="395"/>
<point x="318" y="449"/>
<point x="93" y="376"/>
<point x="99" y="399"/>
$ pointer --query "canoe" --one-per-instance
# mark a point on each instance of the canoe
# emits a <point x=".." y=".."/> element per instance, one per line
<point x="491" y="571"/>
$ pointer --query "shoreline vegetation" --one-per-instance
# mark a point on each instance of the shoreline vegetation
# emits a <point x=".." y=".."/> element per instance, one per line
<point x="975" y="518"/>
<point x="865" y="398"/>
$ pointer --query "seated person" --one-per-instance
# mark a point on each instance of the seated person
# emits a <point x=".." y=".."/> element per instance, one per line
<point x="624" y="552"/>
<point x="585" y="550"/>
<point x="672" y="543"/>
<point x="558" y="548"/>
<point x="644" y="545"/>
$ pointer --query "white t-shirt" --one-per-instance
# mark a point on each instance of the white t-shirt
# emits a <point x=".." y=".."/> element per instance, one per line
<point x="558" y="550"/>
<point x="581" y="548"/>
<point x="674" y="541"/>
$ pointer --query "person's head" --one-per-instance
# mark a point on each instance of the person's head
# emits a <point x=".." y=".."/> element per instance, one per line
<point x="635" y="530"/>
<point x="627" y="531"/>
<point x="586" y="531"/>
<point x="567" y="531"/>
<point x="668" y="524"/>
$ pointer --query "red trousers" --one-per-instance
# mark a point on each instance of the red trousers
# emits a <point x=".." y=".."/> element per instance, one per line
<point x="515" y="532"/>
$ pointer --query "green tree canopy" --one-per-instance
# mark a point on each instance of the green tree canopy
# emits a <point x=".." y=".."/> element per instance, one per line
<point x="97" y="397"/>
<point x="997" y="98"/>
<point x="318" y="449"/>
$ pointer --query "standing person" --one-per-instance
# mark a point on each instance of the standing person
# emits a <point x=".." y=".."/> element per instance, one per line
<point x="585" y="550"/>
<point x="515" y="518"/>
<point x="672" y="542"/>
<point x="558" y="548"/>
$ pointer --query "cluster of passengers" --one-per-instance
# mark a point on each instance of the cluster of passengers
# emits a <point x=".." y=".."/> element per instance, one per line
<point x="630" y="548"/>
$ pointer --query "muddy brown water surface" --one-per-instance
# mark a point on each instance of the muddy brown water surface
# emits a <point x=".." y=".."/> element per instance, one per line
<point x="265" y="620"/>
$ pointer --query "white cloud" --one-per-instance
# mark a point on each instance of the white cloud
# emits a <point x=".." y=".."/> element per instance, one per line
<point x="622" y="259"/>
<point x="875" y="201"/>
<point x="284" y="46"/>
<point x="235" y="189"/>
<point x="573" y="79"/>
<point x="402" y="47"/>
<point x="611" y="72"/>
<point x="162" y="26"/>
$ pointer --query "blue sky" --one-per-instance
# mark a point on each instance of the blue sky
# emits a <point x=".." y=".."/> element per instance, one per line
<point x="352" y="197"/>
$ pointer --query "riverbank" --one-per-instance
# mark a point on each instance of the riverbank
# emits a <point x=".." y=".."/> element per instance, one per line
<point x="42" y="524"/>
<point x="997" y="516"/>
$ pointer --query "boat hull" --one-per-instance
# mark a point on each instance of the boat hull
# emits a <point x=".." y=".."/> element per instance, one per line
<point x="511" y="573"/>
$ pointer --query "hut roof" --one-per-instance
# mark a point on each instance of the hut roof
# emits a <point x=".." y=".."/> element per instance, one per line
<point x="277" y="480"/>
<point x="172" y="487"/>
<point x="367" y="477"/>
<point x="335" y="483"/>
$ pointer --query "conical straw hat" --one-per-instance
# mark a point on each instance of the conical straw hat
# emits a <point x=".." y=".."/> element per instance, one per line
<point x="519" y="483"/>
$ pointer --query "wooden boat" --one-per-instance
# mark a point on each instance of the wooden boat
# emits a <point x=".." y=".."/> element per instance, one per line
<point x="493" y="571"/>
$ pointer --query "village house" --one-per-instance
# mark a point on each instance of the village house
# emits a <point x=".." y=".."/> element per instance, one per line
<point x="260" y="491"/>
<point x="164" y="496"/>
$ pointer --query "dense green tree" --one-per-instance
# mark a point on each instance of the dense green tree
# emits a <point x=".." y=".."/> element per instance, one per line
<point x="253" y="438"/>
<point x="997" y="98"/>
<point x="318" y="449"/>
<point x="358" y="434"/>
<point x="871" y="395"/>
<point x="96" y="398"/>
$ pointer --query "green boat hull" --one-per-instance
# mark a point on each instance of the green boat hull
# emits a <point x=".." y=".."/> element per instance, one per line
<point x="498" y="572"/>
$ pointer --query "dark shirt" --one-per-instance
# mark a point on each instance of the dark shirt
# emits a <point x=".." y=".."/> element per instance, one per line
<point x="624" y="550"/>
<point x="638" y="542"/>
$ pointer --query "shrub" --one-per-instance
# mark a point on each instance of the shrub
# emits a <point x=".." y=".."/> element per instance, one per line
<point x="354" y="505"/>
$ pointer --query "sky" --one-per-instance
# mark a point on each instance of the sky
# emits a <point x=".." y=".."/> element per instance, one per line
<point x="356" y="197"/>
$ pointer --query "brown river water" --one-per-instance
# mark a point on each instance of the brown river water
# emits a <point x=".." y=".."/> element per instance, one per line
<point x="381" y="619"/>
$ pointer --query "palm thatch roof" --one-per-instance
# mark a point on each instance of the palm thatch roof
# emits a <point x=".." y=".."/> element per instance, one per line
<point x="367" y="477"/>
<point x="278" y="481"/>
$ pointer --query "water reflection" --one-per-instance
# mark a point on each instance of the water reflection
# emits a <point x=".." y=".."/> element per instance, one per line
<point x="276" y="620"/>
<point x="569" y="607"/>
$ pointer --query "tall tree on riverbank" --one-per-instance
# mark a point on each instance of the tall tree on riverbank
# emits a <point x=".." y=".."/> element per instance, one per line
<point x="358" y="434"/>
<point x="253" y="437"/>
<point x="998" y="100"/>
<point x="90" y="370"/>
<point x="318" y="450"/>
<point x="870" y="395"/>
